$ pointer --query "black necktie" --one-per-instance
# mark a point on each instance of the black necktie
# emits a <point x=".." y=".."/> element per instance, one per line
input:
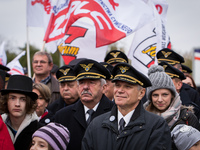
<point x="90" y="112"/>
<point x="121" y="125"/>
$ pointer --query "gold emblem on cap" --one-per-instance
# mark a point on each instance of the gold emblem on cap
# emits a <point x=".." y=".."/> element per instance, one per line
<point x="166" y="54"/>
<point x="115" y="54"/>
<point x="123" y="69"/>
<point x="87" y="67"/>
<point x="64" y="71"/>
<point x="105" y="66"/>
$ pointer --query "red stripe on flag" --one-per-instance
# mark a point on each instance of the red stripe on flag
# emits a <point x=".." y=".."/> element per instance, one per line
<point x="197" y="58"/>
<point x="17" y="71"/>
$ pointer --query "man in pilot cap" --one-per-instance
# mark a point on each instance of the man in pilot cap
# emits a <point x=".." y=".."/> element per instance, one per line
<point x="128" y="126"/>
<point x="91" y="77"/>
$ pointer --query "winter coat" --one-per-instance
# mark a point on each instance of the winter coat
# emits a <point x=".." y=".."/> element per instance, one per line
<point x="5" y="140"/>
<point x="190" y="96"/>
<point x="73" y="117"/>
<point x="46" y="119"/>
<point x="145" y="131"/>
<point x="53" y="84"/>
<point x="57" y="105"/>
<point x="22" y="139"/>
<point x="187" y="117"/>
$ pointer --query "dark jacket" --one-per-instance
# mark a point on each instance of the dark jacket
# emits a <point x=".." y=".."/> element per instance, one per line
<point x="190" y="96"/>
<point x="73" y="117"/>
<point x="47" y="118"/>
<point x="53" y="84"/>
<point x="187" y="117"/>
<point x="57" y="105"/>
<point x="20" y="143"/>
<point x="145" y="131"/>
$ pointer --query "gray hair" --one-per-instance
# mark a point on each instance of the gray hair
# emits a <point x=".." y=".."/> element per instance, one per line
<point x="50" y="59"/>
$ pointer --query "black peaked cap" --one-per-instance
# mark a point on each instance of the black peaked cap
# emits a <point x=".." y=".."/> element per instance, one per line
<point x="169" y="56"/>
<point x="172" y="71"/>
<point x="126" y="72"/>
<point x="91" y="69"/>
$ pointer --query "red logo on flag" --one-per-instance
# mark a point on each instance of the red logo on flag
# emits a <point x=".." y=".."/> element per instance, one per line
<point x="45" y="3"/>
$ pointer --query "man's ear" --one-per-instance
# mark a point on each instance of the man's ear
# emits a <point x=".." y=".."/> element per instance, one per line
<point x="180" y="84"/>
<point x="141" y="93"/>
<point x="104" y="88"/>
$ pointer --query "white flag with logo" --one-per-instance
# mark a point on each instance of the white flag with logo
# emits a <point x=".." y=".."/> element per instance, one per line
<point x="149" y="39"/>
<point x="15" y="66"/>
<point x="81" y="27"/>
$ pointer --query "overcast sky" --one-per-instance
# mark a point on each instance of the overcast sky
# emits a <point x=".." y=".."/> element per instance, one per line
<point x="183" y="24"/>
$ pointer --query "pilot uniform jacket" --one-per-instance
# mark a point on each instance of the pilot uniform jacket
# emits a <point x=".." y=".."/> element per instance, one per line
<point x="57" y="105"/>
<point x="73" y="117"/>
<point x="145" y="131"/>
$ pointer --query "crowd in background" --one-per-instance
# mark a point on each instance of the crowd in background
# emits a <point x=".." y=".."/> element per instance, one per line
<point x="92" y="105"/>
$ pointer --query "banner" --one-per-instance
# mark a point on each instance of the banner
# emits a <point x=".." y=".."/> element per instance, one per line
<point x="38" y="13"/>
<point x="150" y="39"/>
<point x="15" y="66"/>
<point x="3" y="56"/>
<point x="83" y="25"/>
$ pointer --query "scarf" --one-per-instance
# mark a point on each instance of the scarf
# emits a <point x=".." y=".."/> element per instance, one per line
<point x="172" y="114"/>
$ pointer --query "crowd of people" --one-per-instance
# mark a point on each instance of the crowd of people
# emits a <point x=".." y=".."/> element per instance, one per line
<point x="108" y="105"/>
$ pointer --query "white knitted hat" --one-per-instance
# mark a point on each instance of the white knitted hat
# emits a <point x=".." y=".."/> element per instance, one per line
<point x="159" y="80"/>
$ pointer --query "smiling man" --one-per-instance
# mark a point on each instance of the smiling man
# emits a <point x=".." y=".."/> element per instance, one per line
<point x="91" y="77"/>
<point x="128" y="126"/>
<point x="18" y="104"/>
<point x="42" y="64"/>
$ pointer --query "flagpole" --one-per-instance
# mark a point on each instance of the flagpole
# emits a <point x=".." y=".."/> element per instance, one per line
<point x="27" y="46"/>
<point x="43" y="46"/>
<point x="28" y="53"/>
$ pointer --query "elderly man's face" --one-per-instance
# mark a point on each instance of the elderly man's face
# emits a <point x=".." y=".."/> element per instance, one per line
<point x="69" y="91"/>
<point x="90" y="90"/>
<point x="127" y="96"/>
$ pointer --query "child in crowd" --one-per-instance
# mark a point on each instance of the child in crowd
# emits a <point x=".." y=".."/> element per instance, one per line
<point x="53" y="136"/>
<point x="186" y="137"/>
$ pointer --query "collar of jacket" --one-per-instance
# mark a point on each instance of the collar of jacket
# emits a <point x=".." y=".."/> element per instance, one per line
<point x="137" y="120"/>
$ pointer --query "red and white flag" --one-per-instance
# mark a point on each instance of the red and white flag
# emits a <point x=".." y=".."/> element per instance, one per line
<point x="81" y="28"/>
<point x="15" y="66"/>
<point x="38" y="13"/>
<point x="150" y="38"/>
<point x="3" y="56"/>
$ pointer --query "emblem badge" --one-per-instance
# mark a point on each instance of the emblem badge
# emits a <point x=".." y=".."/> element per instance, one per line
<point x="64" y="71"/>
<point x="115" y="54"/>
<point x="123" y="69"/>
<point x="166" y="54"/>
<point x="86" y="67"/>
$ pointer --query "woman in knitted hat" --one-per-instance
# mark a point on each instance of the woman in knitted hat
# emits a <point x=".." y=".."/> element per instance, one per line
<point x="44" y="95"/>
<point x="163" y="100"/>
<point x="53" y="136"/>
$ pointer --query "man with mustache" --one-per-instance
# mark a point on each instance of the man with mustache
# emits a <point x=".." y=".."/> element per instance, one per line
<point x="68" y="88"/>
<point x="91" y="77"/>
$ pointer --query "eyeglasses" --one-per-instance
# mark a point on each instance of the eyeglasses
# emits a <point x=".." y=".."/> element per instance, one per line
<point x="41" y="62"/>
